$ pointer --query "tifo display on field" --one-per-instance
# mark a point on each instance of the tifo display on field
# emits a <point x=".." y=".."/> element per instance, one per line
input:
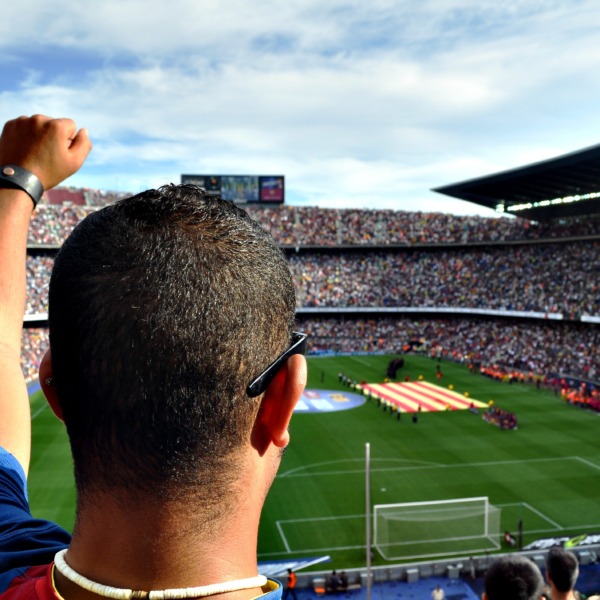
<point x="417" y="396"/>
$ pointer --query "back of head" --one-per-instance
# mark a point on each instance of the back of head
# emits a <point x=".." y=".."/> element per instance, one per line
<point x="163" y="307"/>
<point x="513" y="577"/>
<point x="562" y="569"/>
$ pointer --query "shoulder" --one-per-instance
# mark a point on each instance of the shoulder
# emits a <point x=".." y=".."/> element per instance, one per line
<point x="24" y="541"/>
<point x="272" y="590"/>
<point x="34" y="584"/>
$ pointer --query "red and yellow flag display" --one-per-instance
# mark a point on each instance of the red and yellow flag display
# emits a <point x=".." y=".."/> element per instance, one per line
<point x="409" y="396"/>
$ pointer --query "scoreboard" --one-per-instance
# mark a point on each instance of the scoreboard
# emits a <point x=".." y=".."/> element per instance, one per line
<point x="242" y="189"/>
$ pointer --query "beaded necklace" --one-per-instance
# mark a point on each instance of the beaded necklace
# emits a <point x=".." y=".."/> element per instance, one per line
<point x="172" y="594"/>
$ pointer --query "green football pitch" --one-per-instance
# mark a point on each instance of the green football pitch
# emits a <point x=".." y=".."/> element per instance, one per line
<point x="546" y="473"/>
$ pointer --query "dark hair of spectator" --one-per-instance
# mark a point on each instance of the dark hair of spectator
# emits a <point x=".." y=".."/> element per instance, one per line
<point x="513" y="577"/>
<point x="562" y="568"/>
<point x="163" y="307"/>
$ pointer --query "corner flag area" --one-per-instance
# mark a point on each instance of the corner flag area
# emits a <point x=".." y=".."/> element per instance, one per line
<point x="419" y="395"/>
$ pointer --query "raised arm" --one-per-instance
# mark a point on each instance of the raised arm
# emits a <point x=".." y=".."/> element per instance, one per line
<point x="51" y="149"/>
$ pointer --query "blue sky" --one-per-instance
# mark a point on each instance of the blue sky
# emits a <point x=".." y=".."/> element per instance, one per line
<point x="359" y="104"/>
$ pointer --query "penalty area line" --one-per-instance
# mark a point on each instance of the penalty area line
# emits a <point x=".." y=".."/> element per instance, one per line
<point x="283" y="538"/>
<point x="542" y="515"/>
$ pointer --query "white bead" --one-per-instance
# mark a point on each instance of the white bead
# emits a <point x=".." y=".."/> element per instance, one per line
<point x="172" y="594"/>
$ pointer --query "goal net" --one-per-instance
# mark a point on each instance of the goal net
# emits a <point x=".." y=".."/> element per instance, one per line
<point x="437" y="528"/>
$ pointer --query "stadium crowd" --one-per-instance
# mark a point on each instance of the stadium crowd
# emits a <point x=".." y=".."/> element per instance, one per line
<point x="549" y="277"/>
<point x="537" y="346"/>
<point x="34" y="342"/>
<point x="300" y="226"/>
<point x="52" y="224"/>
<point x="306" y="226"/>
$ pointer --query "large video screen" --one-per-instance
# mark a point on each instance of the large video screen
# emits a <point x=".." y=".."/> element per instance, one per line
<point x="242" y="189"/>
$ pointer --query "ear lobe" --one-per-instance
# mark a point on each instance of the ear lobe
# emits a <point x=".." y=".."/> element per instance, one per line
<point x="48" y="387"/>
<point x="278" y="405"/>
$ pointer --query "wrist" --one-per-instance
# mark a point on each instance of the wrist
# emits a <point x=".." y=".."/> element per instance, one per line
<point x="15" y="177"/>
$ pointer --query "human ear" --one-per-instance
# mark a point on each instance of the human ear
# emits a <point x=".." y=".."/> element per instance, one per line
<point x="47" y="384"/>
<point x="278" y="403"/>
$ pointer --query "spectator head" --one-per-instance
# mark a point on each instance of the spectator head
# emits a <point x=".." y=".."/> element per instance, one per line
<point x="513" y="577"/>
<point x="163" y="308"/>
<point x="562" y="569"/>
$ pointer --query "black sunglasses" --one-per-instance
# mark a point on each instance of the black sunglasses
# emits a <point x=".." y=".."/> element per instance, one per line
<point x="261" y="383"/>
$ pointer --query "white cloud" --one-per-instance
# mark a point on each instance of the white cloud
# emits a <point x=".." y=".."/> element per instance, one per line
<point x="368" y="104"/>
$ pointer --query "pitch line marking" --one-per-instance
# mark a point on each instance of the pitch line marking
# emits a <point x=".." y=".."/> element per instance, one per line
<point x="39" y="410"/>
<point x="293" y="472"/>
<point x="542" y="515"/>
<point x="586" y="462"/>
<point x="312" y="551"/>
<point x="334" y="518"/>
<point x="578" y="527"/>
<point x="337" y="548"/>
<point x="355" y="471"/>
<point x="362" y="361"/>
<point x="283" y="538"/>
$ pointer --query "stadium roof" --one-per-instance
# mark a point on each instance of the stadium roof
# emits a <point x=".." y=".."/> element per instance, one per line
<point x="565" y="186"/>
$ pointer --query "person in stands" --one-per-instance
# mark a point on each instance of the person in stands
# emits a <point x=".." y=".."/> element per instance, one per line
<point x="513" y="577"/>
<point x="175" y="367"/>
<point x="562" y="570"/>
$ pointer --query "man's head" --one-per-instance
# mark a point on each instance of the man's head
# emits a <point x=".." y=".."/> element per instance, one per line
<point x="562" y="569"/>
<point x="163" y="308"/>
<point x="513" y="577"/>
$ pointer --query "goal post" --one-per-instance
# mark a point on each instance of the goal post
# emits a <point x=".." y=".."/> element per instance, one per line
<point x="436" y="528"/>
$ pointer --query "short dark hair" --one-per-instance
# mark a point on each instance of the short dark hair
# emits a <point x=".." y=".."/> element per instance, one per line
<point x="513" y="577"/>
<point x="163" y="307"/>
<point x="562" y="568"/>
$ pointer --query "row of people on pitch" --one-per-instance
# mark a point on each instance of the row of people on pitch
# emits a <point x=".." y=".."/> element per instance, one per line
<point x="510" y="376"/>
<point x="305" y="226"/>
<point x="499" y="417"/>
<point x="582" y="396"/>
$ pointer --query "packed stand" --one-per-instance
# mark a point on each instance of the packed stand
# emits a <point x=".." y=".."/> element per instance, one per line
<point x="546" y="278"/>
<point x="545" y="349"/>
<point x="540" y="347"/>
<point x="550" y="278"/>
<point x="101" y="197"/>
<point x="38" y="278"/>
<point x="34" y="343"/>
<point x="52" y="223"/>
<point x="299" y="226"/>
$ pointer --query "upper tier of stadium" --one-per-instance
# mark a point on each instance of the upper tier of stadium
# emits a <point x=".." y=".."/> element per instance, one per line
<point x="304" y="227"/>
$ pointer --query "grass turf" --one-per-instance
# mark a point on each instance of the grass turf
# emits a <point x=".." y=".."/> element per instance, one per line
<point x="547" y="472"/>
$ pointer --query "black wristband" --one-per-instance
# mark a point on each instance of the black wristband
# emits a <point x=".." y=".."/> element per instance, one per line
<point x="14" y="177"/>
